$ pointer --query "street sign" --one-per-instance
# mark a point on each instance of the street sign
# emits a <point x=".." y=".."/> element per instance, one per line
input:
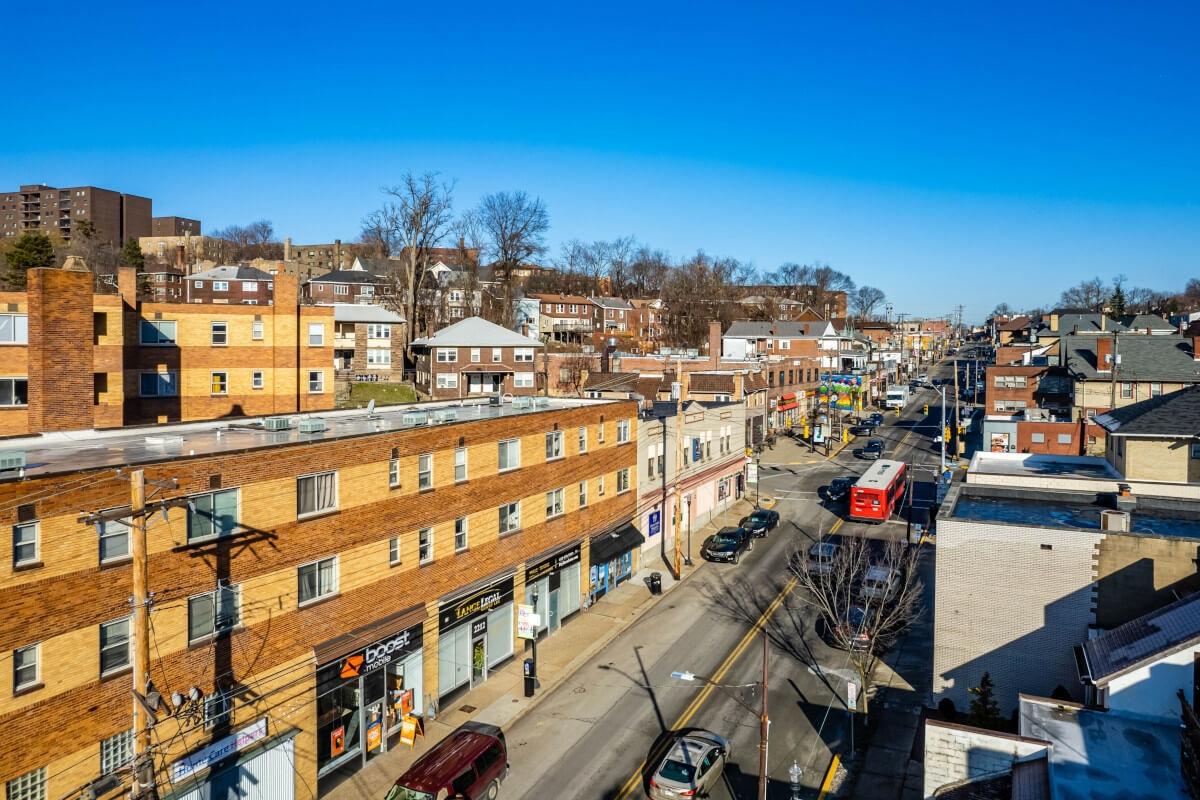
<point x="752" y="473"/>
<point x="655" y="522"/>
<point x="527" y="621"/>
<point x="818" y="434"/>
<point x="852" y="695"/>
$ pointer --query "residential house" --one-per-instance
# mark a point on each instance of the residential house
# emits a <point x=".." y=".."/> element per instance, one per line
<point x="356" y="567"/>
<point x="162" y="284"/>
<point x="473" y="357"/>
<point x="233" y="285"/>
<point x="1155" y="439"/>
<point x="354" y="285"/>
<point x="368" y="340"/>
<point x="647" y="322"/>
<point x="1013" y="331"/>
<point x="646" y="389"/>
<point x="1028" y="409"/>
<point x="564" y="318"/>
<point x="611" y="315"/>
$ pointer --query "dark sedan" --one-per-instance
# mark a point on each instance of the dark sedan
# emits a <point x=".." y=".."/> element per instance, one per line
<point x="875" y="419"/>
<point x="855" y="630"/>
<point x="727" y="544"/>
<point x="873" y="450"/>
<point x="761" y="521"/>
<point x="865" y="429"/>
<point x="839" y="488"/>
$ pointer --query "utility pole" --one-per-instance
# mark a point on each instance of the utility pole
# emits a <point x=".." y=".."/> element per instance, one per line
<point x="141" y="628"/>
<point x="678" y="466"/>
<point x="764" y="726"/>
<point x="943" y="430"/>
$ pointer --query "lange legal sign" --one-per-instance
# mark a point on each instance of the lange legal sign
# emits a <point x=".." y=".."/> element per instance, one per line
<point x="475" y="604"/>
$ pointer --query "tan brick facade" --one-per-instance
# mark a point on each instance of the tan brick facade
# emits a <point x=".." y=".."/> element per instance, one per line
<point x="268" y="660"/>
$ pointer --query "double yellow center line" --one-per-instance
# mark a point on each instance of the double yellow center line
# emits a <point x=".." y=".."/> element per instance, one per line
<point x="631" y="785"/>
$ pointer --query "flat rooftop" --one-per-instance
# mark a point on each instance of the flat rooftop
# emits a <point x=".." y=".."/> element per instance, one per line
<point x="1034" y="508"/>
<point x="1041" y="466"/>
<point x="1099" y="755"/>
<point x="72" y="451"/>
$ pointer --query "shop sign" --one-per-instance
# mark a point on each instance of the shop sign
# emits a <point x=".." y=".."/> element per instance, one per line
<point x="655" y="526"/>
<point x="752" y="473"/>
<point x="697" y="449"/>
<point x="476" y="604"/>
<point x="528" y="621"/>
<point x="553" y="563"/>
<point x="233" y="743"/>
<point x="382" y="652"/>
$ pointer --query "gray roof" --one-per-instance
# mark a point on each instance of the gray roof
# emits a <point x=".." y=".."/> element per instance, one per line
<point x="1143" y="358"/>
<point x="1090" y="322"/>
<point x="611" y="302"/>
<point x="476" y="332"/>
<point x="365" y="312"/>
<point x="611" y="381"/>
<point x="784" y="329"/>
<point x="346" y="276"/>
<point x="1176" y="414"/>
<point x="231" y="273"/>
<point x="1158" y="633"/>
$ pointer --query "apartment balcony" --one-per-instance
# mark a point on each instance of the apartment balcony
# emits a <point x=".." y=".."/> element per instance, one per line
<point x="343" y="342"/>
<point x="570" y="324"/>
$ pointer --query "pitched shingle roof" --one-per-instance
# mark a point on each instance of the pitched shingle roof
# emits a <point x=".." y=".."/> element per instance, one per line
<point x="346" y="276"/>
<point x="1143" y="358"/>
<point x="231" y="273"/>
<point x="1174" y="414"/>
<point x="1014" y="324"/>
<point x="713" y="383"/>
<point x="611" y="381"/>
<point x="1158" y="633"/>
<point x="611" y="302"/>
<point x="783" y="329"/>
<point x="476" y="332"/>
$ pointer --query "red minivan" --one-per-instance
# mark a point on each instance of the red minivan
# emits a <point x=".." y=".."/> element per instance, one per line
<point x="469" y="763"/>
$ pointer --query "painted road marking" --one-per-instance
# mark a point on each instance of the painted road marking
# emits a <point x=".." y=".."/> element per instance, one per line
<point x="636" y="778"/>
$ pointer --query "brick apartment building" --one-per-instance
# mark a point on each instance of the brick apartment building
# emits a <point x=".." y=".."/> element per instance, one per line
<point x="163" y="284"/>
<point x="174" y="226"/>
<point x="475" y="357"/>
<point x="318" y="585"/>
<point x="317" y="259"/>
<point x="37" y="207"/>
<point x="353" y="285"/>
<point x="232" y="285"/>
<point x="74" y="359"/>
<point x="564" y="317"/>
<point x="368" y="340"/>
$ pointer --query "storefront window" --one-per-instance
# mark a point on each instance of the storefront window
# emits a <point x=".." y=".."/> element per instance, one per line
<point x="337" y="718"/>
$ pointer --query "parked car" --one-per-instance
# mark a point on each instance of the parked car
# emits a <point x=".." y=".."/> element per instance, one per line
<point x="855" y="630"/>
<point x="873" y="451"/>
<point x="761" y="521"/>
<point x="839" y="488"/>
<point x="692" y="767"/>
<point x="470" y="762"/>
<point x="875" y="419"/>
<point x="879" y="585"/>
<point x="727" y="544"/>
<point x="866" y="429"/>
<point x="820" y="558"/>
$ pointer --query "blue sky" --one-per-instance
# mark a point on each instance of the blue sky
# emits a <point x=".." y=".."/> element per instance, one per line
<point x="947" y="153"/>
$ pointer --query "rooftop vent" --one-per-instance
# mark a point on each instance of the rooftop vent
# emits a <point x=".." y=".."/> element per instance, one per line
<point x="312" y="425"/>
<point x="277" y="423"/>
<point x="14" y="459"/>
<point x="1114" y="521"/>
<point x="522" y="403"/>
<point x="164" y="441"/>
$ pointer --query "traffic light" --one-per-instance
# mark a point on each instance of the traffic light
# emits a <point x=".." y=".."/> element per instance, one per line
<point x="926" y="408"/>
<point x="946" y="433"/>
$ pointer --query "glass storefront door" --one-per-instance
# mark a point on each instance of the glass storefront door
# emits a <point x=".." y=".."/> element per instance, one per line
<point x="478" y="660"/>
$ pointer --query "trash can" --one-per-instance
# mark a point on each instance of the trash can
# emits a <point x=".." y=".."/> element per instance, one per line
<point x="655" y="583"/>
<point x="530" y="677"/>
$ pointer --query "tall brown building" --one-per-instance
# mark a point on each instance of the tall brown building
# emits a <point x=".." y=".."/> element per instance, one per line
<point x="37" y="207"/>
<point x="174" y="226"/>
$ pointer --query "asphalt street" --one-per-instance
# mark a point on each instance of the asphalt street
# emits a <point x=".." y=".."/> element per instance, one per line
<point x="599" y="734"/>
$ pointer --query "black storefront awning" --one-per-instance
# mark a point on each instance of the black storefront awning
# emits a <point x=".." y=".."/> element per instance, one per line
<point x="612" y="544"/>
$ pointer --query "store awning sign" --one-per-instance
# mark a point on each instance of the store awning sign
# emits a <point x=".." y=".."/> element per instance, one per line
<point x="553" y="563"/>
<point x="477" y="603"/>
<point x="204" y="758"/>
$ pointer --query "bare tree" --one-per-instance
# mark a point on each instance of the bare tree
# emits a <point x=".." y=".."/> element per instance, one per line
<point x="863" y="620"/>
<point x="818" y="286"/>
<point x="1002" y="310"/>
<point x="513" y="227"/>
<point x="648" y="271"/>
<point x="1090" y="294"/>
<point x="247" y="242"/>
<point x="866" y="301"/>
<point x="1190" y="298"/>
<point x="415" y="218"/>
<point x="573" y="371"/>
<point x="698" y="291"/>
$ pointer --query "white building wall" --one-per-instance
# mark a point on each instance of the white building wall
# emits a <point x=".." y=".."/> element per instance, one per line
<point x="955" y="753"/>
<point x="1007" y="606"/>
<point x="735" y="348"/>
<point x="1150" y="692"/>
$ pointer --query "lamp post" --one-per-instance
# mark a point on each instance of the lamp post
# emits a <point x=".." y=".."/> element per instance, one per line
<point x="687" y="559"/>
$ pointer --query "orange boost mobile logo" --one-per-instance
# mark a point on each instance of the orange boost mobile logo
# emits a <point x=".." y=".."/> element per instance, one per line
<point x="352" y="667"/>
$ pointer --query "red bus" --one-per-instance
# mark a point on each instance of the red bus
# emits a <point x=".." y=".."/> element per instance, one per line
<point x="878" y="492"/>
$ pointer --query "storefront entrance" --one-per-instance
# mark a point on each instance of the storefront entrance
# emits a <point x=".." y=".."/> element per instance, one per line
<point x="475" y="634"/>
<point x="363" y="697"/>
<point x="552" y="587"/>
<point x="613" y="557"/>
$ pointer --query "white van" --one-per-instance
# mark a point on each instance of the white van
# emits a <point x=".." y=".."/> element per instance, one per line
<point x="896" y="398"/>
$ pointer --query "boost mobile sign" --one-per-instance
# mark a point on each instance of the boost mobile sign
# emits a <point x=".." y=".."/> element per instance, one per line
<point x="382" y="652"/>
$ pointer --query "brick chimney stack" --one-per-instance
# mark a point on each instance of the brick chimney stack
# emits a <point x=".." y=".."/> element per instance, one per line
<point x="1196" y="346"/>
<point x="1104" y="349"/>
<point x="714" y="342"/>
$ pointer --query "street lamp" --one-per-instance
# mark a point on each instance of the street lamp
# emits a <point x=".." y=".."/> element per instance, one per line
<point x="764" y="726"/>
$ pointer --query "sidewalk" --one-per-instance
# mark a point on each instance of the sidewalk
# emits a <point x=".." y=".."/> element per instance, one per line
<point x="501" y="701"/>
<point x="790" y="453"/>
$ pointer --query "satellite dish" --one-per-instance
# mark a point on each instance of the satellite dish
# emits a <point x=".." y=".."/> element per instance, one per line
<point x="371" y="407"/>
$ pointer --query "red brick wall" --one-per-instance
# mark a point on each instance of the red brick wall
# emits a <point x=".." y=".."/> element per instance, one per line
<point x="1050" y="431"/>
<point x="60" y="350"/>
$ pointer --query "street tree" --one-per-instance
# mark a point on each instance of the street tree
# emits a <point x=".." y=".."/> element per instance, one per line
<point x="30" y="251"/>
<point x="865" y="627"/>
<point x="416" y="218"/>
<point x="1091" y="294"/>
<point x="866" y="301"/>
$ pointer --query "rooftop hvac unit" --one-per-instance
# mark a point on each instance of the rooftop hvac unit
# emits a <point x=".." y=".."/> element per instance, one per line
<point x="445" y="415"/>
<point x="415" y="418"/>
<point x="542" y="402"/>
<point x="277" y="423"/>
<point x="1114" y="521"/>
<point x="164" y="441"/>
<point x="522" y="403"/>
<point x="312" y="425"/>
<point x="495" y="400"/>
<point x="12" y="460"/>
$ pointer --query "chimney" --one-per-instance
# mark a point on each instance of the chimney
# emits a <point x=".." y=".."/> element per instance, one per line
<point x="714" y="342"/>
<point x="1196" y="347"/>
<point x="287" y="249"/>
<point x="181" y="257"/>
<point x="1104" y="348"/>
<point x="337" y="253"/>
<point x="127" y="282"/>
<point x="1054" y="323"/>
